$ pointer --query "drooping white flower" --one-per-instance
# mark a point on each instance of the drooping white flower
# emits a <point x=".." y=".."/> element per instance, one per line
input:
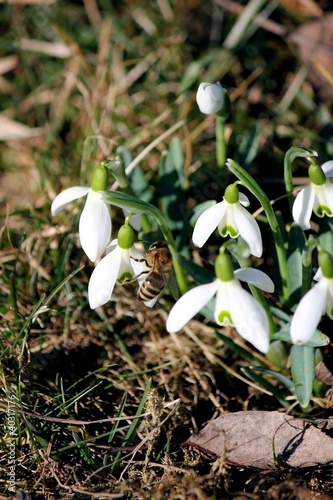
<point x="317" y="197"/>
<point x="210" y="97"/>
<point x="95" y="221"/>
<point x="316" y="302"/>
<point x="233" y="305"/>
<point x="118" y="264"/>
<point x="231" y="218"/>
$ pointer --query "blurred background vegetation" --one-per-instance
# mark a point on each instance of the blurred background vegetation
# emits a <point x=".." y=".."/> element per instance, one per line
<point x="79" y="80"/>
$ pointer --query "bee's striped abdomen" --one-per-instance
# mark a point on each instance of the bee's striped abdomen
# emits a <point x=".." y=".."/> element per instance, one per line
<point x="151" y="287"/>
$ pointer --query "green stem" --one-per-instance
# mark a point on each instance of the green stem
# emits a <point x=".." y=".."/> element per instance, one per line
<point x="220" y="141"/>
<point x="145" y="223"/>
<point x="293" y="153"/>
<point x="117" y="168"/>
<point x="255" y="189"/>
<point x="142" y="207"/>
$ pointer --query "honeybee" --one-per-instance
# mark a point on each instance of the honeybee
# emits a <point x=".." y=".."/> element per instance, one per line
<point x="158" y="260"/>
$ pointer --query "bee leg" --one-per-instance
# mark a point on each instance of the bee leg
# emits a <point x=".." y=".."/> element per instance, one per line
<point x="126" y="281"/>
<point x="140" y="260"/>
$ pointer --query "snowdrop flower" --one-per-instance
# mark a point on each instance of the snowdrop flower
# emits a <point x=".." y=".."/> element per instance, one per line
<point x="95" y="220"/>
<point x="210" y="97"/>
<point x="316" y="302"/>
<point x="317" y="197"/>
<point x="233" y="305"/>
<point x="231" y="218"/>
<point x="116" y="265"/>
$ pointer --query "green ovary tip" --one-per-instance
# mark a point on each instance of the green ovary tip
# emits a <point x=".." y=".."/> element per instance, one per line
<point x="326" y="264"/>
<point x="316" y="175"/>
<point x="231" y="194"/>
<point x="126" y="237"/>
<point x="99" y="180"/>
<point x="223" y="267"/>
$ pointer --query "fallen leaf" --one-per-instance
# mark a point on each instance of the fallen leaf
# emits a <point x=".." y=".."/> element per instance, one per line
<point x="324" y="374"/>
<point x="264" y="440"/>
<point x="8" y="63"/>
<point x="11" y="129"/>
<point x="315" y="45"/>
<point x="303" y="7"/>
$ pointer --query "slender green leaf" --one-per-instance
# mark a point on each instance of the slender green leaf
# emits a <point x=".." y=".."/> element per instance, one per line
<point x="318" y="339"/>
<point x="170" y="192"/>
<point x="178" y="159"/>
<point x="83" y="449"/>
<point x="279" y="376"/>
<point x="297" y="243"/>
<point x="302" y="359"/>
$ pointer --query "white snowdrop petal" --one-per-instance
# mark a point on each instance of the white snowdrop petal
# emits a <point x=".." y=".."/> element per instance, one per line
<point x="328" y="193"/>
<point x="209" y="97"/>
<point x="243" y="200"/>
<point x="255" y="277"/>
<point x="207" y="223"/>
<point x="302" y="207"/>
<point x="125" y="262"/>
<point x="329" y="298"/>
<point x="189" y="305"/>
<point x="103" y="279"/>
<point x="111" y="246"/>
<point x="249" y="318"/>
<point x="222" y="304"/>
<point x="248" y="230"/>
<point x="308" y="313"/>
<point x="66" y="196"/>
<point x="327" y="168"/>
<point x="318" y="274"/>
<point x="95" y="226"/>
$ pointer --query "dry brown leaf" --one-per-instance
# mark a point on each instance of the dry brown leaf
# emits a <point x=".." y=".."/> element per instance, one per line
<point x="264" y="440"/>
<point x="8" y="63"/>
<point x="315" y="43"/>
<point x="53" y="49"/>
<point x="11" y="129"/>
<point x="324" y="374"/>
<point x="303" y="7"/>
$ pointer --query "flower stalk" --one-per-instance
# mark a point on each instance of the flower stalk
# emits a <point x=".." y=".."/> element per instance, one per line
<point x="289" y="157"/>
<point x="220" y="141"/>
<point x="117" y="168"/>
<point x="255" y="189"/>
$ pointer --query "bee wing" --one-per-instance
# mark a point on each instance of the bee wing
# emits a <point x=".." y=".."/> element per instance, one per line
<point x="173" y="286"/>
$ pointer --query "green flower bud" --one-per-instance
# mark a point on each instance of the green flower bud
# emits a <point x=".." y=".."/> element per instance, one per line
<point x="326" y="264"/>
<point x="125" y="237"/>
<point x="231" y="194"/>
<point x="316" y="175"/>
<point x="223" y="267"/>
<point x="99" y="180"/>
